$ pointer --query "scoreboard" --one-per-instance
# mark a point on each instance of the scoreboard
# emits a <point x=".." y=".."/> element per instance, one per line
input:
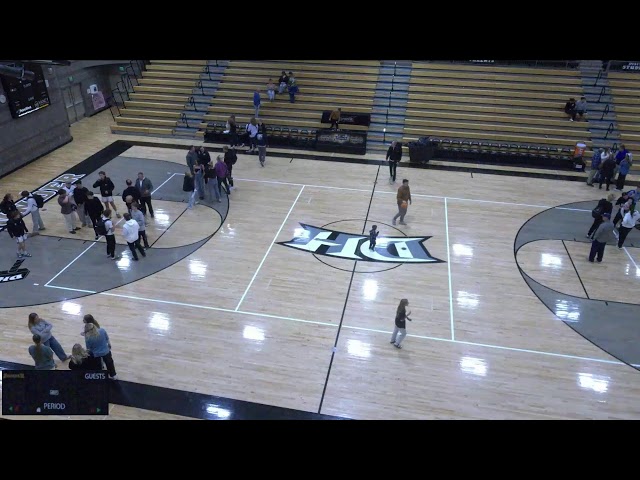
<point x="54" y="392"/>
<point x="26" y="96"/>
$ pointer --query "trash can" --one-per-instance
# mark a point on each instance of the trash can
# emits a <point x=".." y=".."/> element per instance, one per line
<point x="420" y="152"/>
<point x="579" y="150"/>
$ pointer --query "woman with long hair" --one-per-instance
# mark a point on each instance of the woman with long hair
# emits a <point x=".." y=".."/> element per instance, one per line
<point x="83" y="360"/>
<point x="97" y="342"/>
<point x="400" y="331"/>
<point x="41" y="354"/>
<point x="43" y="328"/>
<point x="88" y="318"/>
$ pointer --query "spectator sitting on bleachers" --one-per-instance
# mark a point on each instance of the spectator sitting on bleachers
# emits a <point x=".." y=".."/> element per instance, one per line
<point x="570" y="107"/>
<point x="580" y="108"/>
<point x="293" y="88"/>
<point x="271" y="90"/>
<point x="283" y="81"/>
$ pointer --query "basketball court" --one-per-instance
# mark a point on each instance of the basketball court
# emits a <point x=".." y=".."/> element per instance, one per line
<point x="274" y="297"/>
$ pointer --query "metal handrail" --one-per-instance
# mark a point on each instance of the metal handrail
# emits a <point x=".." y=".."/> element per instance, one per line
<point x="112" y="103"/>
<point x="601" y="93"/>
<point x="609" y="130"/>
<point x="207" y="71"/>
<point x="133" y="75"/>
<point x="183" y="118"/>
<point x="192" y="102"/>
<point x="598" y="77"/>
<point x="199" y="85"/>
<point x="605" y="111"/>
<point x="124" y="88"/>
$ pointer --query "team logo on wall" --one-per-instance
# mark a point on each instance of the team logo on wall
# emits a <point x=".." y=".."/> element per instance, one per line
<point x="14" y="273"/>
<point x="321" y="241"/>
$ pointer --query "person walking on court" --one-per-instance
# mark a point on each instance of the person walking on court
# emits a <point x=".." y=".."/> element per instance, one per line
<point x="189" y="186"/>
<point x="137" y="215"/>
<point x="607" y="169"/>
<point x="628" y="222"/>
<point x="198" y="177"/>
<point x="130" y="231"/>
<point x="400" y="330"/>
<point x="604" y="206"/>
<point x="83" y="360"/>
<point x="212" y="183"/>
<point x="18" y="230"/>
<point x="41" y="354"/>
<point x="394" y="155"/>
<point x="34" y="210"/>
<point x="80" y="197"/>
<point x="373" y="235"/>
<point x="262" y="148"/>
<point x="93" y="208"/>
<point x="624" y="203"/>
<point x="230" y="159"/>
<point x="602" y="235"/>
<point x="145" y="187"/>
<point x="221" y="175"/>
<point x="109" y="234"/>
<point x="41" y="327"/>
<point x="404" y="199"/>
<point x="252" y="133"/>
<point x="106" y="191"/>
<point x="97" y="342"/>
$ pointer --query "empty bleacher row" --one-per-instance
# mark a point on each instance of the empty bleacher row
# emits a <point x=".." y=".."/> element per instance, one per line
<point x="625" y="90"/>
<point x="166" y="97"/>
<point x="491" y="109"/>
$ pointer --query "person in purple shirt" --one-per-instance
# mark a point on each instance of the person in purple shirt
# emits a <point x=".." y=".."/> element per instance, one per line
<point x="221" y="174"/>
<point x="256" y="102"/>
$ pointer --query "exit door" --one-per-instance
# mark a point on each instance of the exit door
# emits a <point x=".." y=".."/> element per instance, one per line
<point x="73" y="102"/>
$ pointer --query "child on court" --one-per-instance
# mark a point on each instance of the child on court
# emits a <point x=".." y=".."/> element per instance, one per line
<point x="373" y="235"/>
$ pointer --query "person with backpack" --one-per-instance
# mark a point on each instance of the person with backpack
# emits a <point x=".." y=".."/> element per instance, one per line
<point x="18" y="230"/>
<point x="604" y="206"/>
<point x="93" y="208"/>
<point x="34" y="203"/>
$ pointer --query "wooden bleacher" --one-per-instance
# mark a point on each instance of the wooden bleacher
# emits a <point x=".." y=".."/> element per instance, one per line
<point x="160" y="97"/>
<point x="323" y="85"/>
<point x="625" y="92"/>
<point x="511" y="105"/>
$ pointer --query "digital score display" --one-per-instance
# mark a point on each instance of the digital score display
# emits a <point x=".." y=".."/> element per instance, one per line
<point x="54" y="392"/>
<point x="26" y="96"/>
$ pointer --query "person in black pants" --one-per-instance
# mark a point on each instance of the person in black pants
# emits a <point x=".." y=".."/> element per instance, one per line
<point x="604" y="206"/>
<point x="394" y="155"/>
<point x="607" y="170"/>
<point x="93" y="208"/>
<point x="83" y="360"/>
<point x="144" y="186"/>
<point x="602" y="235"/>
<point x="110" y="236"/>
<point x="230" y="159"/>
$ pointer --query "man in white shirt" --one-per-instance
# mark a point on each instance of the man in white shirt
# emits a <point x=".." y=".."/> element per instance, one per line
<point x="32" y="208"/>
<point x="628" y="222"/>
<point x="130" y="231"/>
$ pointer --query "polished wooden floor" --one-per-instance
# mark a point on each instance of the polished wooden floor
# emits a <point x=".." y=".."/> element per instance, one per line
<point x="246" y="318"/>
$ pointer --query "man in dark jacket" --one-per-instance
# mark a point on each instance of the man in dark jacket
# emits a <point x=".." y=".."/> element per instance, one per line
<point x="606" y="171"/>
<point x="106" y="191"/>
<point x="18" y="230"/>
<point x="132" y="192"/>
<point x="394" y="155"/>
<point x="93" y="208"/>
<point x="80" y="196"/>
<point x="144" y="186"/>
<point x="230" y="159"/>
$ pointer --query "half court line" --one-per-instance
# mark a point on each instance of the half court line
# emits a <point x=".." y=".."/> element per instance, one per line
<point x="446" y="226"/>
<point x="413" y="195"/>
<point x="300" y="320"/>
<point x="269" y="250"/>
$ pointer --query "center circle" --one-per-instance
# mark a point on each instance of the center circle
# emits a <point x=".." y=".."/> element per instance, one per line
<point x="354" y="226"/>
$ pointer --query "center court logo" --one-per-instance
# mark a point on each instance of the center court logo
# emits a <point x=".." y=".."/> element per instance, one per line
<point x="321" y="241"/>
<point x="14" y="273"/>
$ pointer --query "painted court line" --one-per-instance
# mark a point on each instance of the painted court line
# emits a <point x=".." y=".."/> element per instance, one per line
<point x="275" y="182"/>
<point x="299" y="320"/>
<point x="446" y="225"/>
<point x="154" y="191"/>
<point x="270" y="247"/>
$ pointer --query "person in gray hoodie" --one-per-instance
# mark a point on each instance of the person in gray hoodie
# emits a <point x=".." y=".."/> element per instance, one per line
<point x="138" y="216"/>
<point x="41" y="327"/>
<point x="603" y="234"/>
